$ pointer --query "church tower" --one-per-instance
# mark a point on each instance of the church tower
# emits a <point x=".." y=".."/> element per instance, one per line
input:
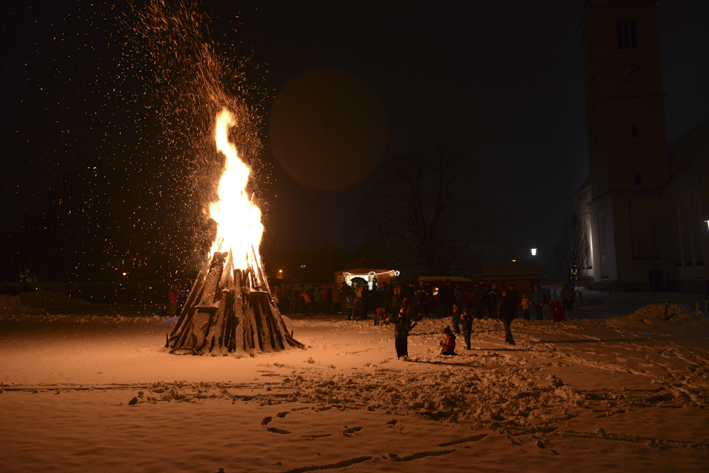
<point x="626" y="136"/>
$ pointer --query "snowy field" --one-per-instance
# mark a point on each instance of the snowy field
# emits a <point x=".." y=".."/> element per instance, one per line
<point x="614" y="388"/>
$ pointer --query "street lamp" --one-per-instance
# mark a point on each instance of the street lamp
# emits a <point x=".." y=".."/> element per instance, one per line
<point x="534" y="252"/>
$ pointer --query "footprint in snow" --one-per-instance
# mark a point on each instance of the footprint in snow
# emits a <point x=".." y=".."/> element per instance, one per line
<point x="351" y="430"/>
<point x="277" y="431"/>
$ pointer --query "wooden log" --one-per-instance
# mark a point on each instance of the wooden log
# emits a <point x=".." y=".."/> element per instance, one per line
<point x="215" y="335"/>
<point x="225" y="315"/>
<point x="188" y="309"/>
<point x="211" y="284"/>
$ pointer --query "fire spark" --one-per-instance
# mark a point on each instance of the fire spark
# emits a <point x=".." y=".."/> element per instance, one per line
<point x="230" y="308"/>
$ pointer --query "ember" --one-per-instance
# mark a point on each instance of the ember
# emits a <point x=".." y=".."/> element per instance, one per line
<point x="230" y="308"/>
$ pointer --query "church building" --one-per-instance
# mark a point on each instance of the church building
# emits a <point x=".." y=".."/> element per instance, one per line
<point x="645" y="206"/>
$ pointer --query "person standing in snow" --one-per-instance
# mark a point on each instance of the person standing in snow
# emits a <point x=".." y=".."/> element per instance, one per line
<point x="317" y="299"/>
<point x="538" y="299"/>
<point x="349" y="306"/>
<point x="336" y="298"/>
<point x="345" y="293"/>
<point x="445" y="299"/>
<point x="395" y="300"/>
<point x="567" y="296"/>
<point x="513" y="294"/>
<point x="493" y="301"/>
<point x="507" y="313"/>
<point x="305" y="301"/>
<point x="466" y="319"/>
<point x="172" y="300"/>
<point x="402" y="326"/>
<point x="292" y="300"/>
<point x="455" y="318"/>
<point x="448" y="345"/>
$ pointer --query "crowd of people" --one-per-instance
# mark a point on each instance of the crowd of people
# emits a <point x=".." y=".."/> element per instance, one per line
<point x="404" y="304"/>
<point x="421" y="298"/>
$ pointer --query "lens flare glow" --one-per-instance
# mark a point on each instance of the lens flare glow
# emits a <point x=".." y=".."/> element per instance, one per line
<point x="239" y="227"/>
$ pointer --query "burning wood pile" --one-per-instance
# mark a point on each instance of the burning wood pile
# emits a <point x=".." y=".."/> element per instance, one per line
<point x="230" y="308"/>
<point x="229" y="312"/>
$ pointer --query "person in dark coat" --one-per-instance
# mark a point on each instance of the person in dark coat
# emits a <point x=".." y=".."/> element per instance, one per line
<point x="448" y="345"/>
<point x="507" y="312"/>
<point x="493" y="299"/>
<point x="513" y="294"/>
<point x="445" y="299"/>
<point x="466" y="319"/>
<point x="402" y="326"/>
<point x="538" y="300"/>
<point x="396" y="300"/>
<point x="455" y="318"/>
<point x="567" y="295"/>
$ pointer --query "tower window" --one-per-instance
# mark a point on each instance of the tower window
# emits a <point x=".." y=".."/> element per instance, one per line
<point x="626" y="35"/>
<point x="637" y="179"/>
<point x="633" y="130"/>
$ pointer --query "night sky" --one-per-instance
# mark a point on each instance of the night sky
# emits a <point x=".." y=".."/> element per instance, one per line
<point x="94" y="167"/>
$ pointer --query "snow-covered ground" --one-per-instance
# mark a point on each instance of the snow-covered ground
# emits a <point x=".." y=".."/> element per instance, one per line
<point x="614" y="388"/>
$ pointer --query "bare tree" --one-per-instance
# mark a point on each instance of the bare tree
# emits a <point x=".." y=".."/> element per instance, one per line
<point x="426" y="212"/>
<point x="572" y="251"/>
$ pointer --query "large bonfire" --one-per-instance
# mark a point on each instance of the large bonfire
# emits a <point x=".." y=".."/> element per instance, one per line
<point x="230" y="308"/>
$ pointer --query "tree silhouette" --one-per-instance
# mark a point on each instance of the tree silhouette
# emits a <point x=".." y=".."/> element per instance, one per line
<point x="572" y="251"/>
<point x="427" y="211"/>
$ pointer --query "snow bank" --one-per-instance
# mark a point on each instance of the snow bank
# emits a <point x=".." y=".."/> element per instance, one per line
<point x="653" y="316"/>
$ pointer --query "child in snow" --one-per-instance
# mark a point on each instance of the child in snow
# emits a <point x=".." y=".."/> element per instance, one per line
<point x="448" y="345"/>
<point x="402" y="327"/>
<point x="380" y="314"/>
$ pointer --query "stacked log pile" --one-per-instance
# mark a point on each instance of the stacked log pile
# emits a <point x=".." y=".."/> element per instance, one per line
<point x="229" y="312"/>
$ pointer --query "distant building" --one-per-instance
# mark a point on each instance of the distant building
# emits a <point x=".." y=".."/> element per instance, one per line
<point x="645" y="202"/>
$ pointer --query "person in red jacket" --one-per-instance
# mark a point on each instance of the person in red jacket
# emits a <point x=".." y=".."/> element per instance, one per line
<point x="172" y="300"/>
<point x="380" y="314"/>
<point x="448" y="345"/>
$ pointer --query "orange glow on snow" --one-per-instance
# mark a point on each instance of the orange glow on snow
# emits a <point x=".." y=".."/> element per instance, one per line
<point x="239" y="226"/>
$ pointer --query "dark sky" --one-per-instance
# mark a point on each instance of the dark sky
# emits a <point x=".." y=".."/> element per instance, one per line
<point x="501" y="80"/>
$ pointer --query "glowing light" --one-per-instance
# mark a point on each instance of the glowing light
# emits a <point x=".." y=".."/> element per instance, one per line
<point x="534" y="252"/>
<point x="239" y="227"/>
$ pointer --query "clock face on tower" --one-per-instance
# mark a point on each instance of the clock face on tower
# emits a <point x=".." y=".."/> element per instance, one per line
<point x="630" y="73"/>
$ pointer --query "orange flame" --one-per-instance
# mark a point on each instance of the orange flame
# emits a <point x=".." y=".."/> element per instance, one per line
<point x="239" y="227"/>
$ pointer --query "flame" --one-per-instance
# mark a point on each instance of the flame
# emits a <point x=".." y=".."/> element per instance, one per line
<point x="239" y="227"/>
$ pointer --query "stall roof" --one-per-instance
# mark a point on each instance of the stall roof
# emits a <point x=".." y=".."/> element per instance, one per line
<point x="364" y="270"/>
